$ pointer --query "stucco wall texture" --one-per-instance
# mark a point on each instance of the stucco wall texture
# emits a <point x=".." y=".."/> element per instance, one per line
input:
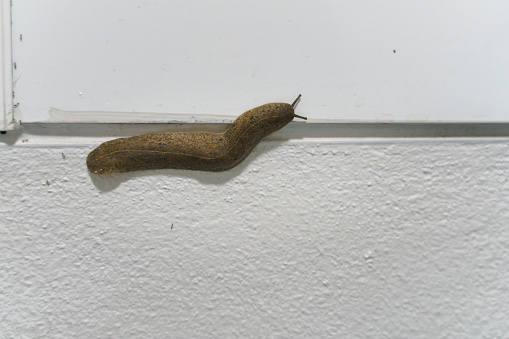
<point x="307" y="238"/>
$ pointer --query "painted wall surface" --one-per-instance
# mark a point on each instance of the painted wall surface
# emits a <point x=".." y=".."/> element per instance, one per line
<point x="307" y="238"/>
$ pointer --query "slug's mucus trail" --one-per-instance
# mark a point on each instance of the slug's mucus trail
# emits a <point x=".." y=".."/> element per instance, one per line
<point x="201" y="151"/>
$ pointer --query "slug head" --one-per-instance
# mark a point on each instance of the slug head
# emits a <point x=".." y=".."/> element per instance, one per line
<point x="264" y="120"/>
<point x="274" y="116"/>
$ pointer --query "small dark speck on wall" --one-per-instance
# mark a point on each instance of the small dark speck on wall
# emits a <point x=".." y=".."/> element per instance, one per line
<point x="394" y="51"/>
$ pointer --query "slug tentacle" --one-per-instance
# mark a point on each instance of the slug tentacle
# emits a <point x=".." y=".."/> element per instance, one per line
<point x="200" y="151"/>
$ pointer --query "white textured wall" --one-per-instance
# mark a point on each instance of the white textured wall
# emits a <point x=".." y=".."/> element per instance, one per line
<point x="307" y="238"/>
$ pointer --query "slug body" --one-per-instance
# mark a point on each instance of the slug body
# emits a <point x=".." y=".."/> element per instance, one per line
<point x="200" y="151"/>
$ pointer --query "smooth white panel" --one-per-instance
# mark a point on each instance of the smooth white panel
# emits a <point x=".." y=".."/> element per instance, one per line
<point x="7" y="121"/>
<point x="352" y="60"/>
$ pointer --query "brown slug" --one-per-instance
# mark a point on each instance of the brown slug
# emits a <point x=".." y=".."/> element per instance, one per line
<point x="201" y="151"/>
